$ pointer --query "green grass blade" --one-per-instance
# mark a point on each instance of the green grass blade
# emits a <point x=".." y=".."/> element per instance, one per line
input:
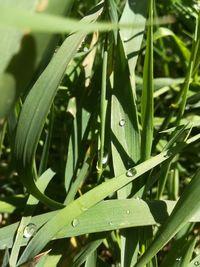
<point x="187" y="255"/>
<point x="107" y="215"/>
<point x="91" y="260"/>
<point x="147" y="103"/>
<point x="36" y="107"/>
<point x="31" y="204"/>
<point x="86" y="251"/>
<point x="188" y="77"/>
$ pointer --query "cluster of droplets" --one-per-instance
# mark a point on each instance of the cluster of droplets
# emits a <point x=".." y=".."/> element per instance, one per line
<point x="29" y="230"/>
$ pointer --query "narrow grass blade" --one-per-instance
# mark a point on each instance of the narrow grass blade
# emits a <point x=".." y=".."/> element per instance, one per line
<point x="91" y="260"/>
<point x="187" y="254"/>
<point x="31" y="204"/>
<point x="103" y="108"/>
<point x="147" y="103"/>
<point x="86" y="251"/>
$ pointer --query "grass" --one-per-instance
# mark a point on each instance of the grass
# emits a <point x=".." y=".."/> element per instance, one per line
<point x="99" y="133"/>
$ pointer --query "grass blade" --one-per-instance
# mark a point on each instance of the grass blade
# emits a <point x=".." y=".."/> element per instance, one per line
<point x="147" y="103"/>
<point x="36" y="107"/>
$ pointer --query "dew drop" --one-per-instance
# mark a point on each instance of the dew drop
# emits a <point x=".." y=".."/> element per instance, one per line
<point x="29" y="230"/>
<point x="128" y="212"/>
<point x="110" y="223"/>
<point x="105" y="158"/>
<point x="122" y="122"/>
<point x="131" y="172"/>
<point x="178" y="259"/>
<point x="196" y="263"/>
<point x="75" y="222"/>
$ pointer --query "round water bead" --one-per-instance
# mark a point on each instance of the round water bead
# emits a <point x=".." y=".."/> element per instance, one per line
<point x="29" y="230"/>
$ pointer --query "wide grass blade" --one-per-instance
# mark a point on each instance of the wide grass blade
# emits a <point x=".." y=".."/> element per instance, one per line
<point x="36" y="107"/>
<point x="11" y="38"/>
<point x="133" y="12"/>
<point x="107" y="215"/>
<point x="69" y="214"/>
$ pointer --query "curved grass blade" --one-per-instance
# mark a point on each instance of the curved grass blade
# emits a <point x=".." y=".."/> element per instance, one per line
<point x="36" y="107"/>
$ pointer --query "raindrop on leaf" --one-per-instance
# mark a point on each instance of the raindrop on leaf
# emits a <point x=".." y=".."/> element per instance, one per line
<point x="29" y="230"/>
<point x="75" y="222"/>
<point x="131" y="172"/>
<point x="122" y="122"/>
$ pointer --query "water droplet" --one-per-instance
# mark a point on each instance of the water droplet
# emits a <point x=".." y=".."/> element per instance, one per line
<point x="29" y="230"/>
<point x="105" y="158"/>
<point x="196" y="263"/>
<point x="75" y="222"/>
<point x="128" y="212"/>
<point x="122" y="122"/>
<point x="178" y="259"/>
<point x="131" y="172"/>
<point x="110" y="223"/>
